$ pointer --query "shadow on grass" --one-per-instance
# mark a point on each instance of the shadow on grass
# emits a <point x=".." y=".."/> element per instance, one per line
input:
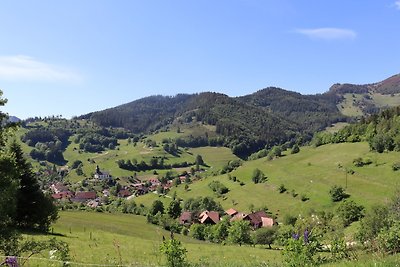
<point x="37" y="232"/>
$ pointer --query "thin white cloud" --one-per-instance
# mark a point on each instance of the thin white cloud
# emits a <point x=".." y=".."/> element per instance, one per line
<point x="25" y="68"/>
<point x="328" y="33"/>
<point x="397" y="4"/>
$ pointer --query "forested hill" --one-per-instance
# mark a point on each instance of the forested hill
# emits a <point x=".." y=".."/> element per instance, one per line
<point x="142" y="115"/>
<point x="310" y="112"/>
<point x="269" y="117"/>
<point x="388" y="86"/>
<point x="358" y="100"/>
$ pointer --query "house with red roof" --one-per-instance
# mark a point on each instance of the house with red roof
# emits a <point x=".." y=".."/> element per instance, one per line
<point x="63" y="195"/>
<point x="58" y="187"/>
<point x="259" y="219"/>
<point x="231" y="212"/>
<point x="209" y="217"/>
<point x="124" y="193"/>
<point x="186" y="218"/>
<point x="238" y="216"/>
<point x="154" y="181"/>
<point x="84" y="196"/>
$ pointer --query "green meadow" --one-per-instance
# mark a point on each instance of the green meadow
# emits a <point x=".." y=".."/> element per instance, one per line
<point x="102" y="239"/>
<point x="128" y="240"/>
<point x="214" y="157"/>
<point x="348" y="107"/>
<point x="310" y="173"/>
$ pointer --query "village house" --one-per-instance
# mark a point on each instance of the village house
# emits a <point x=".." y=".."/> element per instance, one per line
<point x="84" y="196"/>
<point x="182" y="178"/>
<point x="154" y="181"/>
<point x="63" y="195"/>
<point x="231" y="212"/>
<point x="209" y="217"/>
<point x="141" y="191"/>
<point x="186" y="218"/>
<point x="58" y="187"/>
<point x="106" y="192"/>
<point x="124" y="193"/>
<point x="259" y="219"/>
<point x="101" y="175"/>
<point x="93" y="204"/>
<point x="238" y="216"/>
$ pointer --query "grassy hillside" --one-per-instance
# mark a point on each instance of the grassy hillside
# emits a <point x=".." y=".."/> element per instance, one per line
<point x="127" y="240"/>
<point x="99" y="238"/>
<point x="107" y="160"/>
<point x="349" y="107"/>
<point x="381" y="100"/>
<point x="310" y="173"/>
<point x="214" y="157"/>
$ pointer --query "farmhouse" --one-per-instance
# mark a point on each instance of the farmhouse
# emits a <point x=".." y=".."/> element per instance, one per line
<point x="231" y="212"/>
<point x="63" y="195"/>
<point x="209" y="217"/>
<point x="58" y="187"/>
<point x="259" y="219"/>
<point x="124" y="193"/>
<point x="186" y="218"/>
<point x="154" y="181"/>
<point x="238" y="216"/>
<point x="84" y="196"/>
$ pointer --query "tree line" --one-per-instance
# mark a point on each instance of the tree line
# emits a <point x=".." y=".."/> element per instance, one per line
<point x="381" y="131"/>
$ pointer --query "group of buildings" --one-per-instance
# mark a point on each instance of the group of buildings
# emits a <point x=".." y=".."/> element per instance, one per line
<point x="257" y="219"/>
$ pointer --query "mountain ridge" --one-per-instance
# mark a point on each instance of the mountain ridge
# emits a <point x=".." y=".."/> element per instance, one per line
<point x="264" y="118"/>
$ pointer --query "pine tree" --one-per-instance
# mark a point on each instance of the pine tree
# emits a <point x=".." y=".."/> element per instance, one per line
<point x="34" y="209"/>
<point x="8" y="187"/>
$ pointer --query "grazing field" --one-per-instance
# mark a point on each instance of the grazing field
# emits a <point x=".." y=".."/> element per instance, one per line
<point x="99" y="239"/>
<point x="347" y="106"/>
<point x="214" y="157"/>
<point x="386" y="100"/>
<point x="310" y="173"/>
<point x="336" y="127"/>
<point x="128" y="240"/>
<point x="189" y="129"/>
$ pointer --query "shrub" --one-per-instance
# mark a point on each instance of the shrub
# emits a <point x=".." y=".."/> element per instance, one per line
<point x="198" y="231"/>
<point x="289" y="220"/>
<point x="218" y="187"/>
<point x="76" y="164"/>
<point x="258" y="176"/>
<point x="239" y="232"/>
<point x="396" y="166"/>
<point x="265" y="236"/>
<point x="359" y="162"/>
<point x="389" y="239"/>
<point x="337" y="193"/>
<point x="349" y="212"/>
<point x="282" y="188"/>
<point x="175" y="253"/>
<point x="157" y="207"/>
<point x="301" y="250"/>
<point x="295" y="149"/>
<point x="304" y="198"/>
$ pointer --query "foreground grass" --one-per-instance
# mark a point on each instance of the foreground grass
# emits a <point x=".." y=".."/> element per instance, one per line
<point x="128" y="240"/>
<point x="98" y="239"/>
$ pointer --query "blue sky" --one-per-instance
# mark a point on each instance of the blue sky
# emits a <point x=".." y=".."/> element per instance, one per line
<point x="72" y="57"/>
